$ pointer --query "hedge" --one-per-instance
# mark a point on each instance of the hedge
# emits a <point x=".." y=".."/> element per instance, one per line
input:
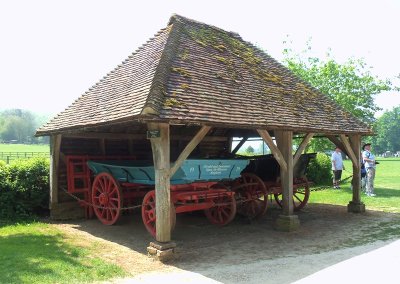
<point x="24" y="188"/>
<point x="320" y="170"/>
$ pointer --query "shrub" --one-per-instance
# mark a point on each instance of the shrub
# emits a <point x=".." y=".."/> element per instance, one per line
<point x="24" y="188"/>
<point x="320" y="170"/>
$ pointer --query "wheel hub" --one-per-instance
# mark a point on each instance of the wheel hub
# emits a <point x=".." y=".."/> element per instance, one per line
<point x="103" y="199"/>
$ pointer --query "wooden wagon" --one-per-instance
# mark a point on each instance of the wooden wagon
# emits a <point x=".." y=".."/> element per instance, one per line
<point x="220" y="187"/>
<point x="196" y="185"/>
<point x="261" y="178"/>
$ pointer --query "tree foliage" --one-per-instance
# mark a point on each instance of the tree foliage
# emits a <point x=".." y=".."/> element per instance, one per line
<point x="19" y="126"/>
<point x="350" y="84"/>
<point x="387" y="129"/>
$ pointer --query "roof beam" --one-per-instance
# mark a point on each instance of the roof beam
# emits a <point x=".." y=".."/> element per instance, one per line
<point x="337" y="143"/>
<point x="301" y="148"/>
<point x="348" y="148"/>
<point x="130" y="136"/>
<point x="274" y="149"/>
<point x="189" y="148"/>
<point x="244" y="139"/>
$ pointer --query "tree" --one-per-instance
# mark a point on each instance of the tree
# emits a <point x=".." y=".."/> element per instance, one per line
<point x="17" y="124"/>
<point x="350" y="84"/>
<point x="387" y="129"/>
<point x="250" y="150"/>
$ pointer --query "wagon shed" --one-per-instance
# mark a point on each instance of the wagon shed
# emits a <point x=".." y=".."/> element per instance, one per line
<point x="186" y="92"/>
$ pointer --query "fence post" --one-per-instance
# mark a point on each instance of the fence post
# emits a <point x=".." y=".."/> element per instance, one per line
<point x="8" y="160"/>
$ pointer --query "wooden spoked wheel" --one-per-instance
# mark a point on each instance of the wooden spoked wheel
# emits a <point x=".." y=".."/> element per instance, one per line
<point x="149" y="213"/>
<point x="251" y="196"/>
<point x="301" y="193"/>
<point x="106" y="198"/>
<point x="224" y="210"/>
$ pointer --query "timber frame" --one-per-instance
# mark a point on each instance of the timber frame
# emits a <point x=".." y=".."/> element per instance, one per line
<point x="197" y="86"/>
<point x="281" y="148"/>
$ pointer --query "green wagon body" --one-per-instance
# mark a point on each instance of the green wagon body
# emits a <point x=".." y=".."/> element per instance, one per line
<point x="142" y="172"/>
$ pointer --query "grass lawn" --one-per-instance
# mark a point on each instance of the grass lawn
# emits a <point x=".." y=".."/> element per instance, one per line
<point x="38" y="253"/>
<point x="24" y="148"/>
<point x="387" y="188"/>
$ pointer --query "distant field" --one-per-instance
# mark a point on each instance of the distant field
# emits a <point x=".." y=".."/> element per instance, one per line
<point x="12" y="152"/>
<point x="23" y="148"/>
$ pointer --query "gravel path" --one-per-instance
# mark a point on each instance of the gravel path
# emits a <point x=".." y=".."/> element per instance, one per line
<point x="330" y="244"/>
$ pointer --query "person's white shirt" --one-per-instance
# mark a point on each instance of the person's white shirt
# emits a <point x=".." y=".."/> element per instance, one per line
<point x="337" y="161"/>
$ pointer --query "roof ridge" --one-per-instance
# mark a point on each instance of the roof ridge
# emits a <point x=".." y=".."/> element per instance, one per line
<point x="178" y="18"/>
<point x="156" y="95"/>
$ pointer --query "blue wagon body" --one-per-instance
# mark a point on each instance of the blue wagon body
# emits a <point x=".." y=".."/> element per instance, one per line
<point x="142" y="172"/>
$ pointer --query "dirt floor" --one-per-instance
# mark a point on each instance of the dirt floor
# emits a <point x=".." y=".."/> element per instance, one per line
<point x="243" y="251"/>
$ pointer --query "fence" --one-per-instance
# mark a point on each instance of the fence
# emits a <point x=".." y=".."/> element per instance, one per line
<point x="9" y="156"/>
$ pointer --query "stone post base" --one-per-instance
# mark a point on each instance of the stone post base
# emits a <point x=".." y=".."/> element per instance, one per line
<point x="161" y="251"/>
<point x="287" y="223"/>
<point x="356" y="207"/>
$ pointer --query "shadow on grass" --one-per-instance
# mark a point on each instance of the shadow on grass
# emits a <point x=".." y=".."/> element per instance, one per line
<point x="387" y="192"/>
<point x="26" y="255"/>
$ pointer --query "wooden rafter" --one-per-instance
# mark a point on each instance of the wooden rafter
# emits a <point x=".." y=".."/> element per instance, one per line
<point x="338" y="143"/>
<point x="189" y="148"/>
<point x="244" y="139"/>
<point x="130" y="136"/>
<point x="274" y="149"/>
<point x="302" y="146"/>
<point x="348" y="148"/>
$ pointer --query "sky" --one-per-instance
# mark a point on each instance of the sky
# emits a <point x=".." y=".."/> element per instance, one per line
<point x="51" y="52"/>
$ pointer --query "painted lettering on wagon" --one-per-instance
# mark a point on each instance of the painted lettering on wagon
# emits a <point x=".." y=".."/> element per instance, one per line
<point x="217" y="169"/>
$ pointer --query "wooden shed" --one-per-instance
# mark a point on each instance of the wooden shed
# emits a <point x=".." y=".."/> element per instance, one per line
<point x="197" y="86"/>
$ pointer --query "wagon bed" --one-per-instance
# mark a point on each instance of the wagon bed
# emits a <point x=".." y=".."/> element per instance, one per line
<point x="142" y="172"/>
<point x="196" y="185"/>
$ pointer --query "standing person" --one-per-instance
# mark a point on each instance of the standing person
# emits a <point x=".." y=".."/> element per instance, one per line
<point x="370" y="165"/>
<point x="363" y="174"/>
<point x="337" y="167"/>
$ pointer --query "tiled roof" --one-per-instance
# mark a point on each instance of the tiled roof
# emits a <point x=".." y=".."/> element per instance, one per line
<point x="191" y="72"/>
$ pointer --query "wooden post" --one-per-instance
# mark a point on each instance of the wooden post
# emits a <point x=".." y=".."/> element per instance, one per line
<point x="161" y="158"/>
<point x="356" y="205"/>
<point x="287" y="221"/>
<point x="284" y="142"/>
<point x="55" y="144"/>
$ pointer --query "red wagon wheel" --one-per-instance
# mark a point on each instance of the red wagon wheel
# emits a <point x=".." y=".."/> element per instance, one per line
<point x="251" y="196"/>
<point x="149" y="213"/>
<point x="224" y="210"/>
<point x="301" y="193"/>
<point x="106" y="198"/>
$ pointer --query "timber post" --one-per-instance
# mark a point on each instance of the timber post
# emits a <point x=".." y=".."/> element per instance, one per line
<point x="162" y="248"/>
<point x="55" y="144"/>
<point x="356" y="206"/>
<point x="286" y="221"/>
